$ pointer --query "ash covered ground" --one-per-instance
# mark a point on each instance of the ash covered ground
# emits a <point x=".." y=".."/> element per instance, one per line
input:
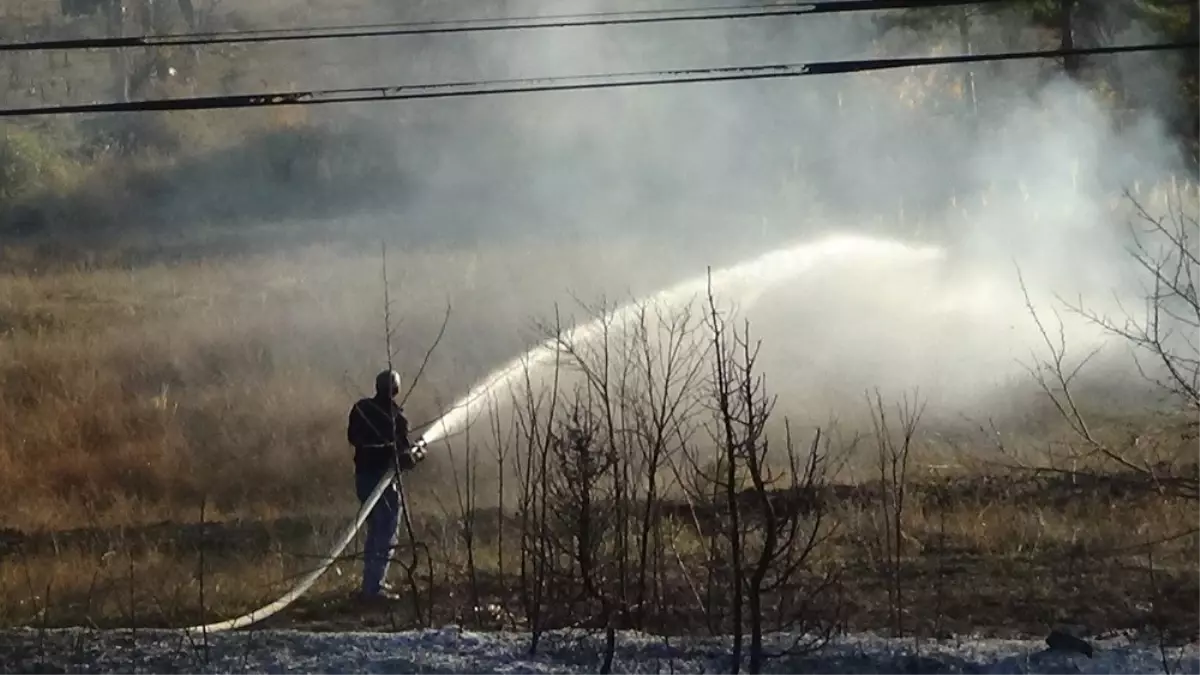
<point x="452" y="650"/>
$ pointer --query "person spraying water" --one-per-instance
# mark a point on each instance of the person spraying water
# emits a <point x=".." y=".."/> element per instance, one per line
<point x="379" y="433"/>
<point x="746" y="280"/>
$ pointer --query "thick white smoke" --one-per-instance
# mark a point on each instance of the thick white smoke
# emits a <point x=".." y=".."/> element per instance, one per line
<point x="711" y="174"/>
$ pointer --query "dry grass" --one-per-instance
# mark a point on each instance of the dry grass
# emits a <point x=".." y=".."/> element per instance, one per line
<point x="125" y="394"/>
<point x="129" y="396"/>
<point x="1003" y="556"/>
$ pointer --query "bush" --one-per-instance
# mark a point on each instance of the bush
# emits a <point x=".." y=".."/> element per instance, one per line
<point x="140" y="173"/>
<point x="31" y="162"/>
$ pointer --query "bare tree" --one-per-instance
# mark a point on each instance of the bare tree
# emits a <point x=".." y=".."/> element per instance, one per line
<point x="774" y="516"/>
<point x="668" y="363"/>
<point x="581" y="488"/>
<point x="728" y="407"/>
<point x="639" y="375"/>
<point x="466" y="491"/>
<point x="534" y="414"/>
<point x="598" y="455"/>
<point x="1165" y="348"/>
<point x="894" y="450"/>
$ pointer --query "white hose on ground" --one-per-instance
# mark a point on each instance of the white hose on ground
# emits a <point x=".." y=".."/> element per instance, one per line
<point x="307" y="582"/>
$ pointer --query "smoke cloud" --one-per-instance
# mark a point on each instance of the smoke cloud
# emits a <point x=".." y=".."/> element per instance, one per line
<point x="621" y="192"/>
<point x="712" y="174"/>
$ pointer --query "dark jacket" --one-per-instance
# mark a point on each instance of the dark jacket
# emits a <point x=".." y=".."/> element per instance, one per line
<point x="370" y="431"/>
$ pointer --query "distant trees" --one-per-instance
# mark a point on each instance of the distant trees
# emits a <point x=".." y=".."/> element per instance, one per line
<point x="1070" y="24"/>
<point x="925" y="20"/>
<point x="132" y="73"/>
<point x="1064" y="24"/>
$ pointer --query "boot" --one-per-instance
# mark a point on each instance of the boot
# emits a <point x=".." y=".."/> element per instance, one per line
<point x="383" y="597"/>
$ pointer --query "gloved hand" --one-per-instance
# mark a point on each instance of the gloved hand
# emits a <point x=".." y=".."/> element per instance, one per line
<point x="408" y="459"/>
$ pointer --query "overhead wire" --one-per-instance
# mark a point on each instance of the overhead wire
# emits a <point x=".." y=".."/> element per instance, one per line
<point x="630" y="17"/>
<point x="572" y="82"/>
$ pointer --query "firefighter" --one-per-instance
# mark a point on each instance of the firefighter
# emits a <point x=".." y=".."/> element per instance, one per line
<point x="378" y="431"/>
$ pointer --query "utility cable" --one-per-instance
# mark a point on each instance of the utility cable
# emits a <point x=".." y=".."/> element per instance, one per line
<point x="571" y="83"/>
<point x="787" y="8"/>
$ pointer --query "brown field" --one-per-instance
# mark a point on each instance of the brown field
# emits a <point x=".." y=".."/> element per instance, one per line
<point x="172" y="433"/>
<point x="136" y="403"/>
<point x="169" y="382"/>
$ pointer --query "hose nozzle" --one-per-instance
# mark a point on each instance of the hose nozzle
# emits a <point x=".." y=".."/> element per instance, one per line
<point x="419" y="449"/>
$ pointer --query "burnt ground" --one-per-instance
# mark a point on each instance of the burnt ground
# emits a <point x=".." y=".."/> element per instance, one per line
<point x="947" y="586"/>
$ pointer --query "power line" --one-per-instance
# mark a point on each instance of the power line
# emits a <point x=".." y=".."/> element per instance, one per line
<point x="790" y="8"/>
<point x="570" y="83"/>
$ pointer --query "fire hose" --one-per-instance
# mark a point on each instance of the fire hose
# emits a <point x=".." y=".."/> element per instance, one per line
<point x="311" y="578"/>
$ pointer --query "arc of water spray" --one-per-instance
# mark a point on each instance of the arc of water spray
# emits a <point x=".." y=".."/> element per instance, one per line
<point x="755" y="277"/>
